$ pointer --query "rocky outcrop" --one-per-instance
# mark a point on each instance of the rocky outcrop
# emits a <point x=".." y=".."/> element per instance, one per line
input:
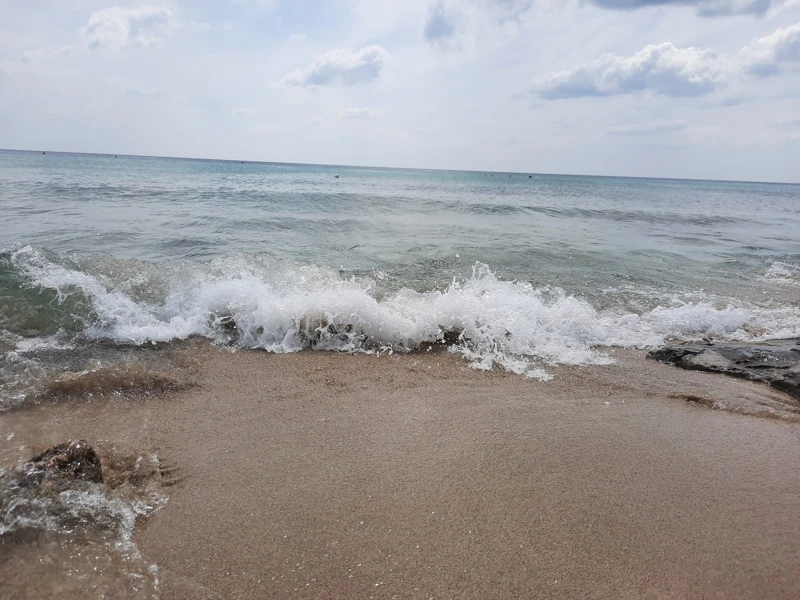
<point x="776" y="362"/>
<point x="77" y="460"/>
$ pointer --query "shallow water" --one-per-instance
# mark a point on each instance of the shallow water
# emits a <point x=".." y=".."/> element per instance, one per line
<point x="100" y="254"/>
<point x="62" y="537"/>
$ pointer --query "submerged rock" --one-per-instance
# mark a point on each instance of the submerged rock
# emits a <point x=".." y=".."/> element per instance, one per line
<point x="77" y="460"/>
<point x="65" y="529"/>
<point x="776" y="362"/>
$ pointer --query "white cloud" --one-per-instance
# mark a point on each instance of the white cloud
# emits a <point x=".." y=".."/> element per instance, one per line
<point x="117" y="26"/>
<point x="441" y="22"/>
<point x="705" y="8"/>
<point x="261" y="3"/>
<point x="764" y="56"/>
<point x="648" y="128"/>
<point x="669" y="71"/>
<point x="449" y="21"/>
<point x="341" y="66"/>
<point x="661" y="69"/>
<point x="359" y="113"/>
<point x="734" y="100"/>
<point x="455" y="24"/>
<point x="242" y="111"/>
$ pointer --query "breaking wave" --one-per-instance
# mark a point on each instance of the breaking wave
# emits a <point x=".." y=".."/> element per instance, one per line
<point x="784" y="273"/>
<point x="281" y="306"/>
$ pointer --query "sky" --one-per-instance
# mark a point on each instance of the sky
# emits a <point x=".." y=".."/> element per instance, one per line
<point x="706" y="89"/>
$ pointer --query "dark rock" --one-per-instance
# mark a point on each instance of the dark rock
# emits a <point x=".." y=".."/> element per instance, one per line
<point x="77" y="460"/>
<point x="452" y="336"/>
<point x="776" y="362"/>
<point x="227" y="323"/>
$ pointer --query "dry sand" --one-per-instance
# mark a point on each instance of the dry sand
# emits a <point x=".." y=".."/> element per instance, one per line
<point x="323" y="475"/>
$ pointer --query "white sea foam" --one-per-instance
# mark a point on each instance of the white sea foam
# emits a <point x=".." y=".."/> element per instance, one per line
<point x="284" y="307"/>
<point x="48" y="342"/>
<point x="784" y="273"/>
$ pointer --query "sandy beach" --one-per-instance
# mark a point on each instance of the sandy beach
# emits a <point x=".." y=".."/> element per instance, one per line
<point x="323" y="475"/>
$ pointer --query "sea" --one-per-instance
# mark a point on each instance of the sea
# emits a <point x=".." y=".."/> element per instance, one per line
<point x="104" y="256"/>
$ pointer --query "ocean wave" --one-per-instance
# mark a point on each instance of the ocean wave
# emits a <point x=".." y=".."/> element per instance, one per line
<point x="280" y="306"/>
<point x="783" y="273"/>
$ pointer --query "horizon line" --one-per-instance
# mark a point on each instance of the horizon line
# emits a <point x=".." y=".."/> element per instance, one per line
<point x="428" y="169"/>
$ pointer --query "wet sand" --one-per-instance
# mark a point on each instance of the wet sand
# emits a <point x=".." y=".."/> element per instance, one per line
<point x="321" y="475"/>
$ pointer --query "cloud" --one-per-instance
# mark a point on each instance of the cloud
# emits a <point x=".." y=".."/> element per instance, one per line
<point x="260" y="3"/>
<point x="647" y="128"/>
<point x="705" y="8"/>
<point x="341" y="66"/>
<point x="458" y="24"/>
<point x="439" y="24"/>
<point x="118" y="27"/>
<point x="448" y="20"/>
<point x="764" y="56"/>
<point x="735" y="100"/>
<point x="675" y="72"/>
<point x="359" y="113"/>
<point x="661" y="69"/>
<point x="463" y="24"/>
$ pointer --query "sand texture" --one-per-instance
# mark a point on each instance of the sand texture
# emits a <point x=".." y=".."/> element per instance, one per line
<point x="321" y="475"/>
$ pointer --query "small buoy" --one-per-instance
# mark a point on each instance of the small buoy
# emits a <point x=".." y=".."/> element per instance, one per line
<point x="336" y="176"/>
<point x="44" y="152"/>
<point x="530" y="176"/>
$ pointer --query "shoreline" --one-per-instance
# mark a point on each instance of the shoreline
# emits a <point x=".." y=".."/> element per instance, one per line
<point x="331" y="475"/>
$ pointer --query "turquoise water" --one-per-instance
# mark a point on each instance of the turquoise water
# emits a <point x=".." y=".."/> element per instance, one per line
<point x="531" y="269"/>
